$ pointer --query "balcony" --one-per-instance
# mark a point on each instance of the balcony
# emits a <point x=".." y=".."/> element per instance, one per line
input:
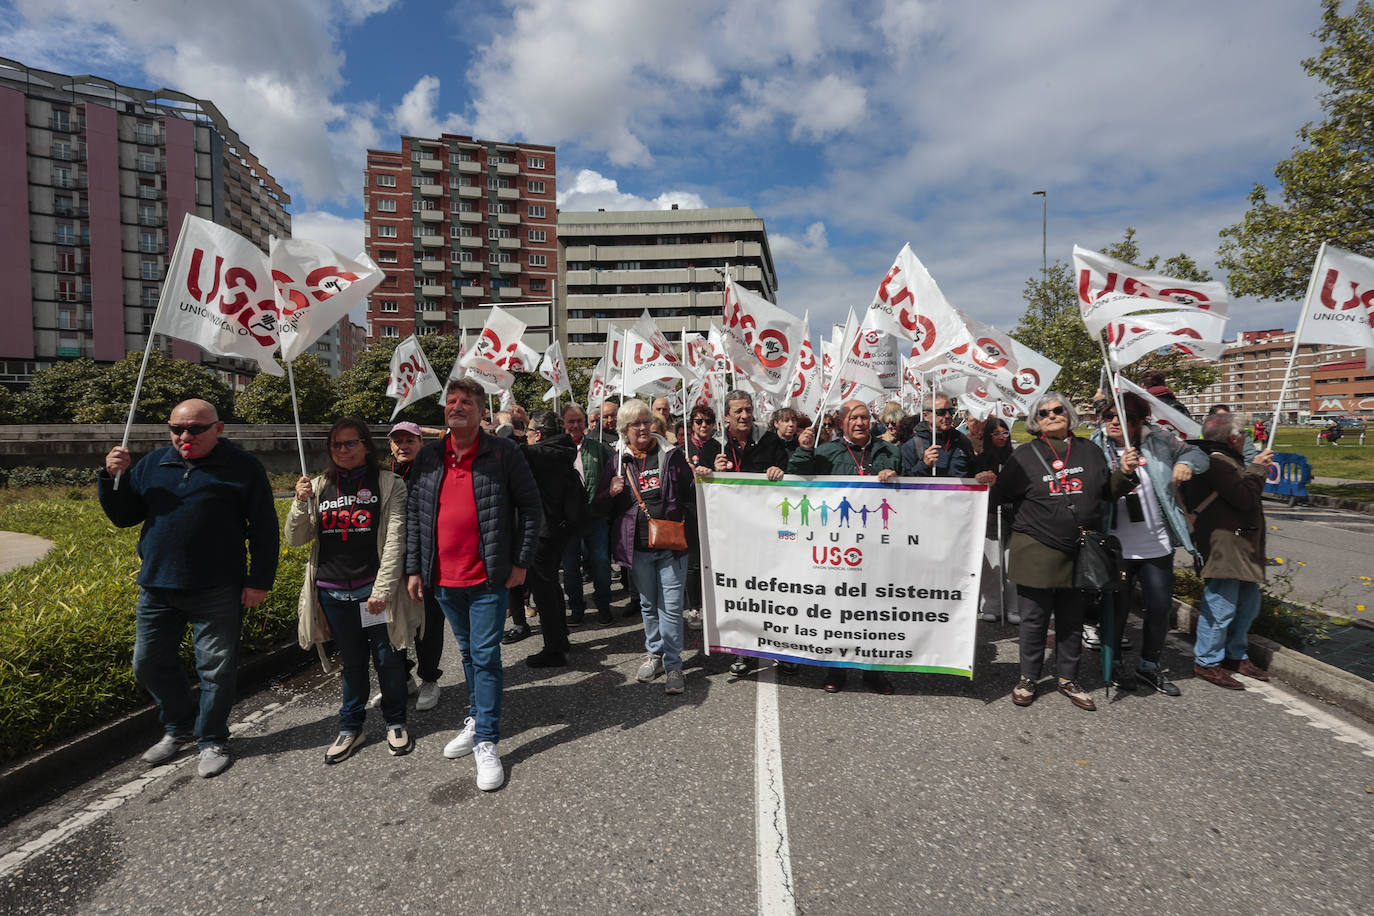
<point x="148" y="193"/>
<point x="508" y="243"/>
<point x="431" y="165"/>
<point x="511" y="292"/>
<point x="432" y="216"/>
<point x="432" y="241"/>
<point x="471" y="267"/>
<point x="432" y="190"/>
<point x="509" y="267"/>
<point x="470" y="192"/>
<point x="469" y="168"/>
<point x="469" y="216"/>
<point x="431" y="266"/>
<point x="471" y="290"/>
<point x="508" y="219"/>
<point x="151" y="220"/>
<point x="507" y="168"/>
<point x="436" y="290"/>
<point x="507" y="194"/>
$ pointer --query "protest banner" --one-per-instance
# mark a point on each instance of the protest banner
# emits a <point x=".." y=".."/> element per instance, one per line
<point x="842" y="571"/>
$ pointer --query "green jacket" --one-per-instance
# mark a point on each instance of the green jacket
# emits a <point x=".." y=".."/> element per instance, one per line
<point x="835" y="457"/>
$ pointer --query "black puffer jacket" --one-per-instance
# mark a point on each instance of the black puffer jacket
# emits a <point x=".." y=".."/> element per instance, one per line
<point x="508" y="510"/>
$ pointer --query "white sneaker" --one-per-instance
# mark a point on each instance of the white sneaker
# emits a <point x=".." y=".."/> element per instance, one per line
<point x="1091" y="638"/>
<point x="692" y="617"/>
<point x="428" y="697"/>
<point x="412" y="689"/>
<point x="461" y="746"/>
<point x="490" y="774"/>
<point x="651" y="668"/>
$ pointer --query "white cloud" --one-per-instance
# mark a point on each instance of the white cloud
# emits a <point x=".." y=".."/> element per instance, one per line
<point x="341" y="233"/>
<point x="415" y="116"/>
<point x="591" y="190"/>
<point x="818" y="109"/>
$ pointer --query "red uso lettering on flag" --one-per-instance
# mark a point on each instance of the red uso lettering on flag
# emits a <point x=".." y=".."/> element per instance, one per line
<point x="798" y="383"/>
<point x="865" y="344"/>
<point x="807" y="360"/>
<point x="1328" y="294"/>
<point x="771" y="348"/>
<point x="490" y="346"/>
<point x="321" y="283"/>
<point x="639" y="357"/>
<point x="1133" y="286"/>
<point x="258" y="320"/>
<point x="1025" y="382"/>
<point x="1186" y="332"/>
<point x="615" y="353"/>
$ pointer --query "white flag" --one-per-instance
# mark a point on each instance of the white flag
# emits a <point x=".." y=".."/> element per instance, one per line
<point x="1195" y="333"/>
<point x="486" y="373"/>
<point x="761" y="339"/>
<point x="1343" y="313"/>
<point x="1182" y="425"/>
<point x="554" y="371"/>
<point x="716" y="338"/>
<point x="647" y="366"/>
<point x="525" y="358"/>
<point x="913" y="386"/>
<point x="315" y="287"/>
<point x="218" y="295"/>
<point x="808" y="382"/>
<point x="597" y="391"/>
<point x="614" y="378"/>
<point x="411" y="376"/>
<point x="861" y="349"/>
<point x="987" y="355"/>
<point x="1109" y="289"/>
<point x="498" y="341"/>
<point x="697" y="357"/>
<point x="1035" y="373"/>
<point x="911" y="307"/>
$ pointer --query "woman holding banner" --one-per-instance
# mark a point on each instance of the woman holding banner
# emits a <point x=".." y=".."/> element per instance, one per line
<point x="701" y="448"/>
<point x="652" y="481"/>
<point x="1056" y="484"/>
<point x="353" y="593"/>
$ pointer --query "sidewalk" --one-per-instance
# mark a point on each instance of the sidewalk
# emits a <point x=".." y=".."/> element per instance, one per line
<point x="18" y="550"/>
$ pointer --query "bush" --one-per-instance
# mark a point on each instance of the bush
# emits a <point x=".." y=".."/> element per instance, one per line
<point x="67" y="621"/>
<point x="47" y="477"/>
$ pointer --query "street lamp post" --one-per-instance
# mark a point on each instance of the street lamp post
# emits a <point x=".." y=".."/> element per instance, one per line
<point x="1044" y="230"/>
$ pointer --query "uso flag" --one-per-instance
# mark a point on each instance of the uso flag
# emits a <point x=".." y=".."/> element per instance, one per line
<point x="909" y="305"/>
<point x="411" y="376"/>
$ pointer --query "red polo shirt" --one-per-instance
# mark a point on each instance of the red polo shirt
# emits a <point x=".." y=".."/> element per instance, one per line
<point x="458" y="542"/>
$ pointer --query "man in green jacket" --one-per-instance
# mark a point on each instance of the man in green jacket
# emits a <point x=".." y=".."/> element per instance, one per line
<point x="856" y="452"/>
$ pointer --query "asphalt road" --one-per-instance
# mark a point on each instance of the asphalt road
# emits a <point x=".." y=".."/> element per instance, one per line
<point x="1325" y="553"/>
<point x="944" y="798"/>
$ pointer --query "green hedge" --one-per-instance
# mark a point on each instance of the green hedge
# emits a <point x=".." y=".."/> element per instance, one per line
<point x="67" y="621"/>
<point x="47" y="477"/>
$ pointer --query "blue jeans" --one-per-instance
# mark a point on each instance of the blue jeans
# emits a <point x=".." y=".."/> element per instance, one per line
<point x="355" y="643"/>
<point x="660" y="578"/>
<point x="1229" y="607"/>
<point x="477" y="614"/>
<point x="591" y="544"/>
<point x="214" y="615"/>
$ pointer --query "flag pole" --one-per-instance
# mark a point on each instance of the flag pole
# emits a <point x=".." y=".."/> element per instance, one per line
<point x="296" y="415"/>
<point x="148" y="347"/>
<point x="1297" y="341"/>
<point x="1115" y="375"/>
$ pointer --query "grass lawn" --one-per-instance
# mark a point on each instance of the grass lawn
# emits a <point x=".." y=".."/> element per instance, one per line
<point x="67" y="621"/>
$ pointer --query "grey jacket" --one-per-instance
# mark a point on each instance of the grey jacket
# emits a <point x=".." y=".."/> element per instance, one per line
<point x="1161" y="451"/>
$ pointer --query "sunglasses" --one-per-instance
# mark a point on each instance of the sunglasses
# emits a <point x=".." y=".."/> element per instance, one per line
<point x="194" y="429"/>
<point x="345" y="444"/>
<point x="944" y="411"/>
<point x="1001" y="432"/>
<point x="704" y="421"/>
<point x="1056" y="411"/>
<point x="1130" y="418"/>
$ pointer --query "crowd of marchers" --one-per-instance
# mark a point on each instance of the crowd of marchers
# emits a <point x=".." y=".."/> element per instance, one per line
<point x="498" y="519"/>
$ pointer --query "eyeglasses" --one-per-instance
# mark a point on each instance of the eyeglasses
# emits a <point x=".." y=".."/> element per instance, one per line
<point x="344" y="445"/>
<point x="704" y="421"/>
<point x="194" y="429"/>
<point x="1001" y="432"/>
<point x="641" y="423"/>
<point x="944" y="411"/>
<point x="1055" y="411"/>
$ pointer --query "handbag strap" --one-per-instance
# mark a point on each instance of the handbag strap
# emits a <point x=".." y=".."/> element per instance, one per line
<point x="634" y="488"/>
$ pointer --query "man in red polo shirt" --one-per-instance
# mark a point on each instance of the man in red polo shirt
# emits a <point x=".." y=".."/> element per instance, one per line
<point x="471" y="527"/>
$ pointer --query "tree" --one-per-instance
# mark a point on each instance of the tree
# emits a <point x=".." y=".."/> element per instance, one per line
<point x="1328" y="183"/>
<point x="267" y="399"/>
<point x="167" y="383"/>
<point x="54" y="393"/>
<point x="1052" y="325"/>
<point x="360" y="391"/>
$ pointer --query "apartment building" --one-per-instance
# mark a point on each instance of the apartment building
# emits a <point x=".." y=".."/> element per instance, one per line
<point x="1252" y="370"/>
<point x="613" y="265"/>
<point x="95" y="179"/>
<point x="458" y="225"/>
<point x="1344" y="388"/>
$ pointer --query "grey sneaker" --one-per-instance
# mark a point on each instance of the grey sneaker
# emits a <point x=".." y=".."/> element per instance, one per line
<point x="428" y="697"/>
<point x="213" y="760"/>
<point x="651" y="668"/>
<point x="674" y="683"/>
<point x="166" y="748"/>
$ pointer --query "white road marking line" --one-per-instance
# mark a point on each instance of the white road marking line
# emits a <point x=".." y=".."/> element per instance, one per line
<point x="117" y="797"/>
<point x="1317" y="717"/>
<point x="776" y="894"/>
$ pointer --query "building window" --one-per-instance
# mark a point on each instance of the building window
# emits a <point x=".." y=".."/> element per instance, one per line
<point x="66" y="262"/>
<point x="498" y="232"/>
<point x="147" y="162"/>
<point x="537" y="210"/>
<point x="539" y="260"/>
<point x="64" y="234"/>
<point x="386" y="205"/>
<point x="387" y="305"/>
<point x="536" y="187"/>
<point x="386" y="181"/>
<point x="150" y="297"/>
<point x="67" y="320"/>
<point x="323" y="346"/>
<point x="539" y="285"/>
<point x="62" y="177"/>
<point x="537" y="235"/>
<point x="61" y="149"/>
<point x="149" y="243"/>
<point x="534" y="162"/>
<point x="148" y="270"/>
<point x="66" y="291"/>
<point x="386" y="232"/>
<point x="416" y="155"/>
<point x="495" y="183"/>
<point x="62" y="120"/>
<point x="386" y="256"/>
<point x="390" y="330"/>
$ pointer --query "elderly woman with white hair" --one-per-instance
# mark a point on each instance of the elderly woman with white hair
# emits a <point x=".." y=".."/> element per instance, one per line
<point x="1056" y="484"/>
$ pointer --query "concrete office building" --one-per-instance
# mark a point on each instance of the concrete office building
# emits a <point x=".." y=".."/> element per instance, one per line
<point x="95" y="179"/>
<point x="614" y="264"/>
<point x="458" y="224"/>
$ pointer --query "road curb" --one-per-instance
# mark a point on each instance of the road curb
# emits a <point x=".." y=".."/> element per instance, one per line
<point x="1331" y="502"/>
<point x="31" y="780"/>
<point x="1336" y="686"/>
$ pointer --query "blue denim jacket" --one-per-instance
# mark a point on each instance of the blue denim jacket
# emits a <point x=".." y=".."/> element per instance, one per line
<point x="1161" y="451"/>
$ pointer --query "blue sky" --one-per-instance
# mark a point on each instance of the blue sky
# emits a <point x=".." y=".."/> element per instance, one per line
<point x="851" y="127"/>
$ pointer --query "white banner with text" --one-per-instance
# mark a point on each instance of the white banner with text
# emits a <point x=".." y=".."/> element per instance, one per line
<point x="843" y="571"/>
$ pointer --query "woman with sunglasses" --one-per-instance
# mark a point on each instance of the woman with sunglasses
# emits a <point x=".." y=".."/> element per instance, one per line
<point x="354" y="517"/>
<point x="991" y="443"/>
<point x="700" y="448"/>
<point x="1056" y="484"/>
<point x="1150" y="525"/>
